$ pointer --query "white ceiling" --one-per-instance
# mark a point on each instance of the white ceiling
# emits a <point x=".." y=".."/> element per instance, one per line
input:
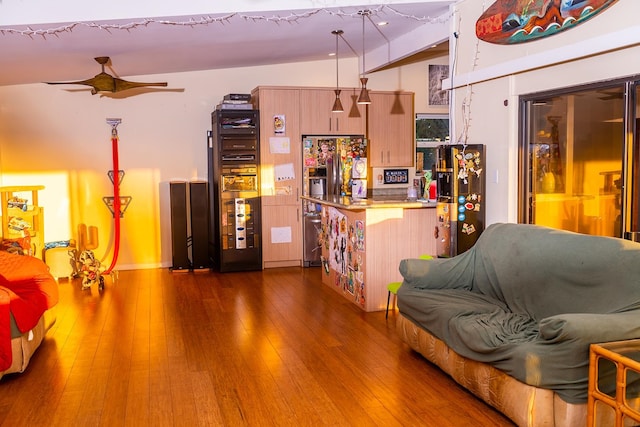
<point x="54" y="51"/>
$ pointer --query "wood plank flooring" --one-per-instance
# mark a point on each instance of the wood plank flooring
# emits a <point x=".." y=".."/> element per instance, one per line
<point x="271" y="348"/>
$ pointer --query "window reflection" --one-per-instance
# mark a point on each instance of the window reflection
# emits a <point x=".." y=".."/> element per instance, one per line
<point x="576" y="149"/>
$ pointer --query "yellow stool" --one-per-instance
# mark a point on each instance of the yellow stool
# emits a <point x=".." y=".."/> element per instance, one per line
<point x="393" y="287"/>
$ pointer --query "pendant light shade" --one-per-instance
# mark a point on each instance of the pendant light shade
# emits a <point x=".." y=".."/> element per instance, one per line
<point x="363" y="99"/>
<point x="337" y="104"/>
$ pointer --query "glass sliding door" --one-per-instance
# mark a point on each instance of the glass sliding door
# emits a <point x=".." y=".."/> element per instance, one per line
<point x="573" y="151"/>
<point x="631" y="225"/>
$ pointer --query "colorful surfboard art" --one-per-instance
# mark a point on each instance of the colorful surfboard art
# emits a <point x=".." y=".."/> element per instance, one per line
<point x="520" y="21"/>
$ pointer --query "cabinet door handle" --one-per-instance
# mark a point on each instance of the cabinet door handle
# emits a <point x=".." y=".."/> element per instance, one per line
<point x="330" y="123"/>
<point x="337" y="123"/>
<point x="382" y="157"/>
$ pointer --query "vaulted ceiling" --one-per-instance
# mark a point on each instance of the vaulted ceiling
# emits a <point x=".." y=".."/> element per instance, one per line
<point x="143" y="45"/>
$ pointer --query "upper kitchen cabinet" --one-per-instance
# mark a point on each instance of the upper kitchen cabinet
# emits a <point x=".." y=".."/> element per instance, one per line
<point x="280" y="144"/>
<point x="391" y="131"/>
<point x="317" y="118"/>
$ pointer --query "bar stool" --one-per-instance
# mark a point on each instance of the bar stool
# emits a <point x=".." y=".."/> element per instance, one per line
<point x="393" y="287"/>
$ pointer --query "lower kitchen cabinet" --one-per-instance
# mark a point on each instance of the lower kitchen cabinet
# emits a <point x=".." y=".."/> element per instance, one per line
<point x="282" y="236"/>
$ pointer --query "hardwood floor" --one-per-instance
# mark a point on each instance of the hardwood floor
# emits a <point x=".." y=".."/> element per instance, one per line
<point x="259" y="349"/>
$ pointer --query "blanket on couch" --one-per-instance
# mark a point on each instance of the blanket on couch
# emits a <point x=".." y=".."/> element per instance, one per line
<point x="27" y="290"/>
<point x="529" y="300"/>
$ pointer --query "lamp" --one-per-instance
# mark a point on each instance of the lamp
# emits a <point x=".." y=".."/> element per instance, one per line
<point x="337" y="104"/>
<point x="364" y="93"/>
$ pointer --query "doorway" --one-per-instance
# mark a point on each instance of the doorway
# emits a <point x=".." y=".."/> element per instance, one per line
<point x="579" y="159"/>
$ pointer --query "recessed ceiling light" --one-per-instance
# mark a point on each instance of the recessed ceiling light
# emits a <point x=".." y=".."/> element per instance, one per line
<point x="382" y="23"/>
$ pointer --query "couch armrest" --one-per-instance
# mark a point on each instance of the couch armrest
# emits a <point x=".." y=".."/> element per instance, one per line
<point x="438" y="273"/>
<point x="591" y="327"/>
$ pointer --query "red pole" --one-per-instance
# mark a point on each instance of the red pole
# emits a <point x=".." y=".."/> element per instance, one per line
<point x="116" y="198"/>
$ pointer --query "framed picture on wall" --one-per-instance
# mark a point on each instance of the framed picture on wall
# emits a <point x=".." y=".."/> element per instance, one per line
<point x="437" y="73"/>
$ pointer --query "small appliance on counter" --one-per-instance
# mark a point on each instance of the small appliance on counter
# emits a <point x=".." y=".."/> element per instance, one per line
<point x="392" y="182"/>
<point x="460" y="204"/>
<point x="333" y="165"/>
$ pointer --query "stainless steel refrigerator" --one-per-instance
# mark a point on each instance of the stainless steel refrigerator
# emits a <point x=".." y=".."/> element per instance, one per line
<point x="460" y="206"/>
<point x="333" y="165"/>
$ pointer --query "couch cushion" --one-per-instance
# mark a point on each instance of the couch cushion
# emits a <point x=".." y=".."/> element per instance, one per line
<point x="543" y="272"/>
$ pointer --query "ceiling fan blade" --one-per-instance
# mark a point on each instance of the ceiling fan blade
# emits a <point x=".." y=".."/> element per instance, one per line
<point x="88" y="82"/>
<point x="125" y="85"/>
<point x="104" y="82"/>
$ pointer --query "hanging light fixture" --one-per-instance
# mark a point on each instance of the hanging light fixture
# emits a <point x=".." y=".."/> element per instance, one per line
<point x="337" y="104"/>
<point x="364" y="93"/>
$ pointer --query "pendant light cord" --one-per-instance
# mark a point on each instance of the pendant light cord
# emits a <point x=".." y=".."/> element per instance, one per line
<point x="337" y="32"/>
<point x="364" y="12"/>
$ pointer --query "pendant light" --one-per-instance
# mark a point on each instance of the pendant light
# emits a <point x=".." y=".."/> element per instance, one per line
<point x="364" y="93"/>
<point x="337" y="104"/>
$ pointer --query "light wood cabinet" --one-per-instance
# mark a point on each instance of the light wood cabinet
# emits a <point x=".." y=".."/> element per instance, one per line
<point x="274" y="149"/>
<point x="317" y="117"/>
<point x="280" y="196"/>
<point x="282" y="236"/>
<point x="391" y="129"/>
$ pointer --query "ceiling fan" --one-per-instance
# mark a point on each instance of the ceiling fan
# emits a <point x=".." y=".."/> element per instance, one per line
<point x="104" y="82"/>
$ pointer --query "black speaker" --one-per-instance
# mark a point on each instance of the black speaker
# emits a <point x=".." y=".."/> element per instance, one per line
<point x="199" y="206"/>
<point x="178" y="196"/>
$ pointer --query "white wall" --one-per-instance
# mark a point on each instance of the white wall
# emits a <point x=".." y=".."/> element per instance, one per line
<point x="58" y="136"/>
<point x="486" y="76"/>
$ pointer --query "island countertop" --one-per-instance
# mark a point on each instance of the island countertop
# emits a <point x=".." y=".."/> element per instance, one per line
<point x="345" y="202"/>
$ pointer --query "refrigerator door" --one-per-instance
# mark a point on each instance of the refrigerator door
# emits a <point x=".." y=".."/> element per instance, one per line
<point x="460" y="208"/>
<point x="334" y="176"/>
<point x="469" y="166"/>
<point x="445" y="222"/>
<point x="323" y="176"/>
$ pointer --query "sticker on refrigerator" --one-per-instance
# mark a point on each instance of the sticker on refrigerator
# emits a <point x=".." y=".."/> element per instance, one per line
<point x="359" y="189"/>
<point x="359" y="168"/>
<point x="468" y="229"/>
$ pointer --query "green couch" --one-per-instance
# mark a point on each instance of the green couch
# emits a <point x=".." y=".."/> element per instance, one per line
<point x="527" y="301"/>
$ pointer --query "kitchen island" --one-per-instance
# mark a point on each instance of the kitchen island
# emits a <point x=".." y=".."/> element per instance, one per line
<point x="364" y="240"/>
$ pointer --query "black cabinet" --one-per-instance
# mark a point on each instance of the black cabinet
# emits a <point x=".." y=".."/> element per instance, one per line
<point x="234" y="191"/>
